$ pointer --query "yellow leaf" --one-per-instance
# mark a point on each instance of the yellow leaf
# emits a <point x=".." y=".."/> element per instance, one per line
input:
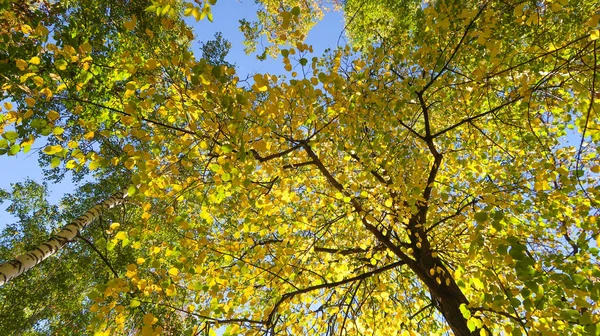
<point x="171" y="290"/>
<point x="595" y="34"/>
<point x="147" y="331"/>
<point x="282" y="230"/>
<point x="53" y="115"/>
<point x="489" y="199"/>
<point x="53" y="149"/>
<point x="140" y="261"/>
<point x="151" y="64"/>
<point x="88" y="135"/>
<point x="541" y="185"/>
<point x="26" y="29"/>
<point x="262" y="88"/>
<point x="38" y="81"/>
<point x="129" y="163"/>
<point x="21" y="64"/>
<point x="71" y="164"/>
<point x="86" y="47"/>
<point x="129" y="149"/>
<point x="114" y="226"/>
<point x="121" y="235"/>
<point x="173" y="271"/>
<point x="26" y="76"/>
<point x="149" y="319"/>
<point x="8" y="106"/>
<point x="34" y="60"/>
<point x="30" y="101"/>
<point x="165" y="9"/>
<point x="130" y="25"/>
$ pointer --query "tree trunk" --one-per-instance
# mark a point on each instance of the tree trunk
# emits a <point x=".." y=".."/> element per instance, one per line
<point x="447" y="295"/>
<point x="26" y="261"/>
<point x="444" y="291"/>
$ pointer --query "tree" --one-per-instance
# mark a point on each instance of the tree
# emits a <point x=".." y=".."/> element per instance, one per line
<point x="51" y="298"/>
<point x="423" y="185"/>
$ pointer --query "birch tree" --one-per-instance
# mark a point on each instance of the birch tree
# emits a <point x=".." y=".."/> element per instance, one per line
<point x="441" y="179"/>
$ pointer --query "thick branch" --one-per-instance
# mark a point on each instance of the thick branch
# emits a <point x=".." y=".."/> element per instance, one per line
<point x="276" y="155"/>
<point x="322" y="168"/>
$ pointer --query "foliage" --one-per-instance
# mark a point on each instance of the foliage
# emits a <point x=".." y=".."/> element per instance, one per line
<point x="215" y="51"/>
<point x="51" y="299"/>
<point x="377" y="21"/>
<point x="441" y="179"/>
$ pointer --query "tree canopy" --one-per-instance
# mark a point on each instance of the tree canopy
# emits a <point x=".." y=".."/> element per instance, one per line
<point x="436" y="175"/>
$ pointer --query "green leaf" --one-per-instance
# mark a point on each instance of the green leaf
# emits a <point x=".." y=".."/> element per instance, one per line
<point x="131" y="191"/>
<point x="471" y="325"/>
<point x="111" y="245"/>
<point x="10" y="135"/>
<point x="94" y="165"/>
<point x="481" y="217"/>
<point x="303" y="61"/>
<point x="466" y="313"/>
<point x="226" y="149"/>
<point x="55" y="162"/>
<point x="14" y="149"/>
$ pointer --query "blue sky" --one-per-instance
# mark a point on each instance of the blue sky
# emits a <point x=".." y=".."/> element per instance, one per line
<point x="226" y="14"/>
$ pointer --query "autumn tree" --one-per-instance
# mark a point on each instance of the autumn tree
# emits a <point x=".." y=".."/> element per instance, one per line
<point x="438" y="175"/>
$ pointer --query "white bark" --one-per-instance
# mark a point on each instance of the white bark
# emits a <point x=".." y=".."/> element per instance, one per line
<point x="24" y="262"/>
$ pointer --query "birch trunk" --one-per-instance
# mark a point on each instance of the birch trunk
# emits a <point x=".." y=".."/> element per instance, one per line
<point x="26" y="261"/>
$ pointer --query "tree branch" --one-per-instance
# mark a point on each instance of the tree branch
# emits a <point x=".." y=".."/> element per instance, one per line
<point x="104" y="259"/>
<point x="290" y="295"/>
<point x="458" y="212"/>
<point x="212" y="319"/>
<point x="483" y="114"/>
<point x="455" y="51"/>
<point x="349" y="250"/>
<point x="276" y="155"/>
<point x="175" y="128"/>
